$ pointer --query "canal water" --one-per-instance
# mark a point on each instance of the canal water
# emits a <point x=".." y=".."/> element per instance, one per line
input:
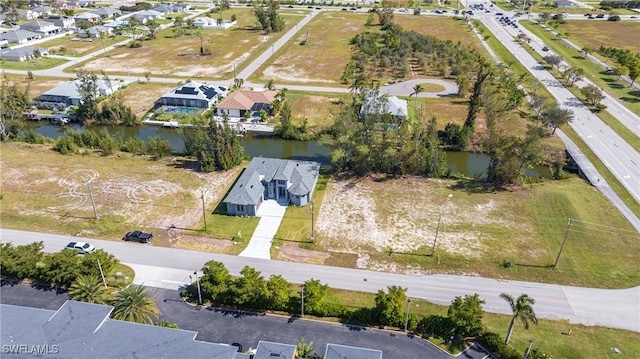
<point x="465" y="163"/>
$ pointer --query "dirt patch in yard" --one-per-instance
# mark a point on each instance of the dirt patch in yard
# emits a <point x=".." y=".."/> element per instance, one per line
<point x="401" y="215"/>
<point x="293" y="252"/>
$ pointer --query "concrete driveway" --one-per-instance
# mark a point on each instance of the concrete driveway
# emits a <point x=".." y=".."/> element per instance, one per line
<point x="270" y="213"/>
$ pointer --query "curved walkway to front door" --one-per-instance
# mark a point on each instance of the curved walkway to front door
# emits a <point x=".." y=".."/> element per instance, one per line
<point x="270" y="213"/>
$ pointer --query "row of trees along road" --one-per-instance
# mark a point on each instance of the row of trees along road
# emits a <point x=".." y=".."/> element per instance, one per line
<point x="413" y="146"/>
<point x="252" y="291"/>
<point x="81" y="275"/>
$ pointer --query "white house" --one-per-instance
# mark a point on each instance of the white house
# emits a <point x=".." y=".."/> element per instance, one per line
<point x="193" y="95"/>
<point x="62" y="21"/>
<point x="28" y="14"/>
<point x="238" y="103"/>
<point x="87" y="17"/>
<point x="66" y="94"/>
<point x="44" y="28"/>
<point x="95" y="32"/>
<point x="209" y="23"/>
<point x="107" y="12"/>
<point x="375" y="104"/>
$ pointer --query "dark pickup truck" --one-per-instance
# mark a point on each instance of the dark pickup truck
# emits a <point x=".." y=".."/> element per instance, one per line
<point x="138" y="237"/>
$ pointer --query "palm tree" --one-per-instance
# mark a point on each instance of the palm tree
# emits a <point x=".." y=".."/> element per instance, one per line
<point x="132" y="305"/>
<point x="269" y="85"/>
<point x="416" y="90"/>
<point x="305" y="350"/>
<point x="522" y="308"/>
<point x="88" y="288"/>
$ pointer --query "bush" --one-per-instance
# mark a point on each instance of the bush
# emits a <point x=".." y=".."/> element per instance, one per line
<point x="436" y="325"/>
<point x="65" y="145"/>
<point x="496" y="345"/>
<point x="613" y="18"/>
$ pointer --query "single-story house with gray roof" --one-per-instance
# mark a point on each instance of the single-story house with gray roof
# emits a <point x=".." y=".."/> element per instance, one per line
<point x="286" y="181"/>
<point x="66" y="94"/>
<point x="23" y="53"/>
<point x="271" y="350"/>
<point x="107" y="12"/>
<point x="193" y="95"/>
<point x="19" y="36"/>
<point x="336" y="351"/>
<point x="374" y="104"/>
<point x="85" y="330"/>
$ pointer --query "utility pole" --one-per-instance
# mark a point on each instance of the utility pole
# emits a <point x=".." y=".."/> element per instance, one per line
<point x="101" y="273"/>
<point x="302" y="302"/>
<point x="198" y="283"/>
<point x="204" y="214"/>
<point x="435" y="240"/>
<point x="312" y="222"/>
<point x="93" y="203"/>
<point x="406" y="319"/>
<point x="566" y="234"/>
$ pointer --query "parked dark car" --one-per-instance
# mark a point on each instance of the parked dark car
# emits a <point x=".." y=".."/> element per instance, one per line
<point x="138" y="236"/>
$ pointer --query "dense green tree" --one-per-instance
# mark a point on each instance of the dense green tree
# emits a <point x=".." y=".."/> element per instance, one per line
<point x="23" y="261"/>
<point x="391" y="306"/>
<point x="522" y="309"/>
<point x="158" y="147"/>
<point x="269" y="19"/>
<point x="314" y="293"/>
<point x="62" y="267"/>
<point x="250" y="289"/>
<point x="215" y="281"/>
<point x="556" y="116"/>
<point x="466" y="315"/>
<point x="13" y="102"/>
<point x="574" y="75"/>
<point x="552" y="60"/>
<point x="89" y="263"/>
<point x="484" y="72"/>
<point x="87" y="110"/>
<point x="592" y="94"/>
<point x="90" y="289"/>
<point x="278" y="292"/>
<point x="132" y="305"/>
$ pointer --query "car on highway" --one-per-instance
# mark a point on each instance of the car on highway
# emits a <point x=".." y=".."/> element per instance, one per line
<point x="81" y="247"/>
<point x="138" y="236"/>
<point x="545" y="48"/>
<point x="600" y="16"/>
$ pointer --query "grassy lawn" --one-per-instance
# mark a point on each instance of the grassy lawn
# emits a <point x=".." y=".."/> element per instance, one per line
<point x="64" y="46"/>
<point x="39" y="63"/>
<point x="393" y="223"/>
<point x="321" y="59"/>
<point x="584" y="341"/>
<point x="630" y="97"/>
<point x="173" y="55"/>
<point x="296" y="224"/>
<point x="37" y="86"/>
<point x="317" y="108"/>
<point x="44" y="191"/>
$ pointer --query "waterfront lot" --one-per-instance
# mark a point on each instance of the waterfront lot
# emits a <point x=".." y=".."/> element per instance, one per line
<point x="372" y="222"/>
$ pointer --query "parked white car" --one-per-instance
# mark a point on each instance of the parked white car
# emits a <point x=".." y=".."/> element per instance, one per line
<point x="81" y="247"/>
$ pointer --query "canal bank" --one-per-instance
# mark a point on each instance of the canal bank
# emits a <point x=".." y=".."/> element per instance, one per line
<point x="255" y="145"/>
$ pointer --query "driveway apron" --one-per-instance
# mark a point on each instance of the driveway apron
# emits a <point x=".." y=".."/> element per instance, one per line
<point x="270" y="213"/>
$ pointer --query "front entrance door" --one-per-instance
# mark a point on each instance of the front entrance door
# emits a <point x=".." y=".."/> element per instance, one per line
<point x="271" y="194"/>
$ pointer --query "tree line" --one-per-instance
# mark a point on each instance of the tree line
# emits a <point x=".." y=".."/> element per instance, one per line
<point x="463" y="322"/>
<point x="414" y="146"/>
<point x="81" y="276"/>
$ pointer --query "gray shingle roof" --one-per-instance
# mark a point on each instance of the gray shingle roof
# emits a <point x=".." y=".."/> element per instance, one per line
<point x="336" y="351"/>
<point x="248" y="190"/>
<point x="84" y="330"/>
<point x="373" y="104"/>
<point x="270" y="350"/>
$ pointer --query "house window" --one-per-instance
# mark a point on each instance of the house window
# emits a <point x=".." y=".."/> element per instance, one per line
<point x="240" y="207"/>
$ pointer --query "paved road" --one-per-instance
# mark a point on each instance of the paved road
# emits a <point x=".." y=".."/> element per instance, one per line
<point x="619" y="157"/>
<point x="248" y="329"/>
<point x="169" y="268"/>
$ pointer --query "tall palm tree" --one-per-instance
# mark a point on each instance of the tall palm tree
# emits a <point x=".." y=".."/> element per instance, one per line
<point x="88" y="288"/>
<point x="416" y="90"/>
<point x="133" y="305"/>
<point x="522" y="308"/>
